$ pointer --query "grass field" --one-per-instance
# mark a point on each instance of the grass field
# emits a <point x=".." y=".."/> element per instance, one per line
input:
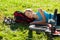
<point x="20" y="31"/>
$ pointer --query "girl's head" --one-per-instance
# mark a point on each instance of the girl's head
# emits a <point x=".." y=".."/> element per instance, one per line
<point x="29" y="13"/>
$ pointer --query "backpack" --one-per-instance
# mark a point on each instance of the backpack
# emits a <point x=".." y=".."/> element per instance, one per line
<point x="21" y="17"/>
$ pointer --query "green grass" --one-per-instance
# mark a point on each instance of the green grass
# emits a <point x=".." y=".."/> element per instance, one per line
<point x="20" y="32"/>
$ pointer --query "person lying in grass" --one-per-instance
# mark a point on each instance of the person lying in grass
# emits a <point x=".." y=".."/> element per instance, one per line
<point x="41" y="17"/>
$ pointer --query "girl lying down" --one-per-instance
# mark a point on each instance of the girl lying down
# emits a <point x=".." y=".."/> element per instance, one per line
<point x="41" y="17"/>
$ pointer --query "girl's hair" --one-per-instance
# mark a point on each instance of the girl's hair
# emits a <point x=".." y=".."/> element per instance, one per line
<point x="19" y="17"/>
<point x="29" y="10"/>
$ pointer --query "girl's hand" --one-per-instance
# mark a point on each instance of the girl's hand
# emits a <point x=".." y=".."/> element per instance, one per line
<point x="40" y="10"/>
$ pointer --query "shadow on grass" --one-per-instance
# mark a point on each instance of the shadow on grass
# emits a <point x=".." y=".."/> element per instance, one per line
<point x="21" y="26"/>
<point x="30" y="35"/>
<point x="49" y="36"/>
<point x="1" y="37"/>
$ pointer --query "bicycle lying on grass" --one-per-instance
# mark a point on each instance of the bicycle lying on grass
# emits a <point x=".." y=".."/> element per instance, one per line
<point x="51" y="31"/>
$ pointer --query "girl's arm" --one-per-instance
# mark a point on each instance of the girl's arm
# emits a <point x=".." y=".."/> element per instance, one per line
<point x="43" y="20"/>
<point x="42" y="14"/>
